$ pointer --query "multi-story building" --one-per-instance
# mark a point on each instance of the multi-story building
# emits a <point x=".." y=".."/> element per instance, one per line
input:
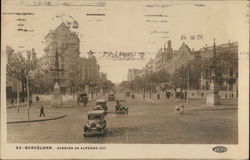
<point x="103" y="76"/>
<point x="133" y="73"/>
<point x="162" y="56"/>
<point x="66" y="44"/>
<point x="89" y="69"/>
<point x="200" y="67"/>
<point x="179" y="59"/>
<point x="149" y="67"/>
<point x="227" y="65"/>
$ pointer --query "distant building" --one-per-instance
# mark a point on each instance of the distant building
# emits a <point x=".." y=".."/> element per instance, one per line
<point x="66" y="43"/>
<point x="89" y="69"/>
<point x="227" y="66"/>
<point x="178" y="59"/>
<point x="162" y="56"/>
<point x="103" y="76"/>
<point x="133" y="73"/>
<point x="150" y="67"/>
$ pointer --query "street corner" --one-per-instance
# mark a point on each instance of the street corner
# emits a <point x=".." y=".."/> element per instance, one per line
<point x="34" y="115"/>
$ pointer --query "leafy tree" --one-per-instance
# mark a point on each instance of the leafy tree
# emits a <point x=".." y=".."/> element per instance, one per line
<point x="18" y="67"/>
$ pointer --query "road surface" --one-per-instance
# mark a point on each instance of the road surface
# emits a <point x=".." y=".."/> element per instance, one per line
<point x="148" y="121"/>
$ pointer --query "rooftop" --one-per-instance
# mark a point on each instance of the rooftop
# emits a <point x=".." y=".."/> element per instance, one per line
<point x="96" y="112"/>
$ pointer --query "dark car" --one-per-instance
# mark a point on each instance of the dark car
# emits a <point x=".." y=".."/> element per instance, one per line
<point x="101" y="105"/>
<point x="127" y="94"/>
<point x="96" y="123"/>
<point x="111" y="97"/>
<point x="82" y="98"/>
<point x="120" y="107"/>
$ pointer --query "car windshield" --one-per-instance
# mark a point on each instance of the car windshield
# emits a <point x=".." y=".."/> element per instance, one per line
<point x="100" y="103"/>
<point x="94" y="116"/>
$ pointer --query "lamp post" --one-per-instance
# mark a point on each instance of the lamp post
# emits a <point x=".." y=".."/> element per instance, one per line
<point x="28" y="97"/>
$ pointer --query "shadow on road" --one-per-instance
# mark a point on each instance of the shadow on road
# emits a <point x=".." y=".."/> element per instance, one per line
<point x="118" y="131"/>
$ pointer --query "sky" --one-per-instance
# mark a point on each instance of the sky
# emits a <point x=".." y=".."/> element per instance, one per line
<point x="126" y="26"/>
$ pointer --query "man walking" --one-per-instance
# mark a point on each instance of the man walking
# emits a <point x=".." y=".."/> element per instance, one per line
<point x="42" y="111"/>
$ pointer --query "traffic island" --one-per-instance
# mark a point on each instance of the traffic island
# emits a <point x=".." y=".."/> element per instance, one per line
<point x="34" y="115"/>
<point x="38" y="120"/>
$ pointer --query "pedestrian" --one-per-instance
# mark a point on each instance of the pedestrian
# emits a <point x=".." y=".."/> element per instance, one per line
<point x="177" y="108"/>
<point x="158" y="96"/>
<point x="37" y="98"/>
<point x="133" y="96"/>
<point x="42" y="111"/>
<point x="182" y="108"/>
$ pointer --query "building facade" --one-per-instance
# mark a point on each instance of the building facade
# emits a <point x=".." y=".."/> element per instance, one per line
<point x="199" y="63"/>
<point x="66" y="44"/>
<point x="179" y="58"/>
<point x="103" y="76"/>
<point x="226" y="68"/>
<point x="89" y="69"/>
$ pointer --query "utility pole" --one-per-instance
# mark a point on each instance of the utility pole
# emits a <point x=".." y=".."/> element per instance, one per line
<point x="150" y="94"/>
<point x="17" y="91"/>
<point x="188" y="85"/>
<point x="28" y="97"/>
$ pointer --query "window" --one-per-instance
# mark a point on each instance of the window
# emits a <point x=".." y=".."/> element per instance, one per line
<point x="72" y="74"/>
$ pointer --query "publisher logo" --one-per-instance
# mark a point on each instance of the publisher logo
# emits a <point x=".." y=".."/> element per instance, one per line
<point x="220" y="149"/>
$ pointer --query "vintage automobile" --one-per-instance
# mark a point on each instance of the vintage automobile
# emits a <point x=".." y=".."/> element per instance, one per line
<point x="127" y="94"/>
<point x="96" y="123"/>
<point x="101" y="105"/>
<point x="111" y="97"/>
<point x="120" y="107"/>
<point x="82" y="98"/>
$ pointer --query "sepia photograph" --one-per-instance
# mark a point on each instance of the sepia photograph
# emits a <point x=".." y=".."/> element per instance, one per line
<point x="99" y="76"/>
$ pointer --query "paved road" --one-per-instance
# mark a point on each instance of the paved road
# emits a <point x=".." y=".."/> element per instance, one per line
<point x="148" y="121"/>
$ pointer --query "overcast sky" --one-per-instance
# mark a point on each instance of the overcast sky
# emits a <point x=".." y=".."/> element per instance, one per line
<point x="137" y="26"/>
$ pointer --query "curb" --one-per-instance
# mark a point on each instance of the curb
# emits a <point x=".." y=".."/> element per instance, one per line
<point x="38" y="120"/>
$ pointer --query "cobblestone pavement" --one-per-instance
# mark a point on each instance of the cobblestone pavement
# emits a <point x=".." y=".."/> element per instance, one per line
<point x="148" y="121"/>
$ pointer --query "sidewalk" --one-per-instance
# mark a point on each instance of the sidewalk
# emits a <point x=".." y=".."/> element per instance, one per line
<point x="50" y="113"/>
<point x="21" y="117"/>
<point x="194" y="104"/>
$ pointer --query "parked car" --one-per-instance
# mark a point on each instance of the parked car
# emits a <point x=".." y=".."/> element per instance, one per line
<point x="120" y="107"/>
<point x="111" y="97"/>
<point x="101" y="105"/>
<point x="96" y="123"/>
<point x="82" y="98"/>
